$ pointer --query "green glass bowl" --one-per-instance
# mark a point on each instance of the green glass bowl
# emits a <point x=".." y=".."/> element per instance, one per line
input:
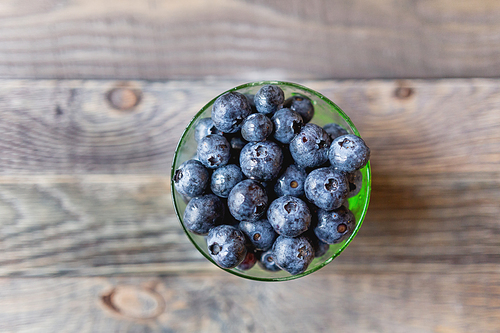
<point x="325" y="112"/>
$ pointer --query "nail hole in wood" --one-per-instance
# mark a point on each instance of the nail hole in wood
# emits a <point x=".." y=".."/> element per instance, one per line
<point x="403" y="91"/>
<point x="123" y="98"/>
<point x="58" y="111"/>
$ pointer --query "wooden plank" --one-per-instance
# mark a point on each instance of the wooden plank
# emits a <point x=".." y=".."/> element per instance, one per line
<point x="67" y="208"/>
<point x="69" y="127"/>
<point x="253" y="39"/>
<point x="125" y="225"/>
<point x="406" y="303"/>
<point x="93" y="226"/>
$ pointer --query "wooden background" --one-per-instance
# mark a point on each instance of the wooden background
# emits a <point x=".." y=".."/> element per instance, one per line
<point x="88" y="238"/>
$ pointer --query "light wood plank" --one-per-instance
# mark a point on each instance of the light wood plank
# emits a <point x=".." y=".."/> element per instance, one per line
<point x="253" y="39"/>
<point x="114" y="225"/>
<point x="406" y="303"/>
<point x="69" y="127"/>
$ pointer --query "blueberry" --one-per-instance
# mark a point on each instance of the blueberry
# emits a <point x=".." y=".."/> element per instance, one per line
<point x="292" y="254"/>
<point x="213" y="151"/>
<point x="267" y="262"/>
<point x="250" y="98"/>
<point x="256" y="127"/>
<point x="309" y="148"/>
<point x="261" y="160"/>
<point x="205" y="127"/>
<point x="289" y="216"/>
<point x="237" y="143"/>
<point x="247" y="201"/>
<point x="335" y="226"/>
<point x="334" y="130"/>
<point x="327" y="188"/>
<point x="302" y="105"/>
<point x="320" y="248"/>
<point x="287" y="124"/>
<point x="291" y="182"/>
<point x="260" y="233"/>
<point x="269" y="99"/>
<point x="355" y="180"/>
<point x="191" y="178"/>
<point x="248" y="262"/>
<point x="224" y="179"/>
<point x="226" y="246"/>
<point x="229" y="111"/>
<point x="349" y="153"/>
<point x="203" y="213"/>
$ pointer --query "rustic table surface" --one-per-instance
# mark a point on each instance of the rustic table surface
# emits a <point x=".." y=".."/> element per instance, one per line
<point x="88" y="238"/>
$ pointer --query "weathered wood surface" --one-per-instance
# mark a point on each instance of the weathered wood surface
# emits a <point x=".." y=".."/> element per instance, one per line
<point x="84" y="194"/>
<point x="398" y="303"/>
<point x="253" y="39"/>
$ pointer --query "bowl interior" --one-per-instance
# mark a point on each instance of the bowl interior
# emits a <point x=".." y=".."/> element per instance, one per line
<point x="325" y="112"/>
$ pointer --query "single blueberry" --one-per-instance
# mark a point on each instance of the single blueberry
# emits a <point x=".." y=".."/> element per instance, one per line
<point x="349" y="153"/>
<point x="327" y="188"/>
<point x="289" y="216"/>
<point x="320" y="248"/>
<point x="224" y="179"/>
<point x="266" y="261"/>
<point x="355" y="180"/>
<point x="287" y="124"/>
<point x="335" y="226"/>
<point x="226" y="246"/>
<point x="309" y="148"/>
<point x="191" y="178"/>
<point x="248" y="262"/>
<point x="334" y="130"/>
<point x="260" y="233"/>
<point x="247" y="201"/>
<point x="292" y="254"/>
<point x="213" y="151"/>
<point x="237" y="143"/>
<point x="261" y="160"/>
<point x="256" y="127"/>
<point x="302" y="105"/>
<point x="203" y="213"/>
<point x="250" y="98"/>
<point x="205" y="127"/>
<point x="229" y="111"/>
<point x="291" y="182"/>
<point x="269" y="99"/>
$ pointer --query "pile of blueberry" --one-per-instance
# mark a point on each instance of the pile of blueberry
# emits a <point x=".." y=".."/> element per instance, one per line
<point x="266" y="185"/>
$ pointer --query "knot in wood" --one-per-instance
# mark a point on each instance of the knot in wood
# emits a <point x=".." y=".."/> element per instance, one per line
<point x="123" y="98"/>
<point x="134" y="302"/>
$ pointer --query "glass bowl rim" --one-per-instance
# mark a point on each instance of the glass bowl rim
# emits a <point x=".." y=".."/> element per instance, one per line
<point x="188" y="233"/>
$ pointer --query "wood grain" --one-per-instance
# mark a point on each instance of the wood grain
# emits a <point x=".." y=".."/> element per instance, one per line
<point x="406" y="303"/>
<point x="85" y="191"/>
<point x="252" y="39"/>
<point x="90" y="242"/>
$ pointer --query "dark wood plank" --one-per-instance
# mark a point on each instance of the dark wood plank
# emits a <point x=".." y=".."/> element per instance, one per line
<point x="253" y="39"/>
<point x="406" y="303"/>
<point x="67" y="208"/>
